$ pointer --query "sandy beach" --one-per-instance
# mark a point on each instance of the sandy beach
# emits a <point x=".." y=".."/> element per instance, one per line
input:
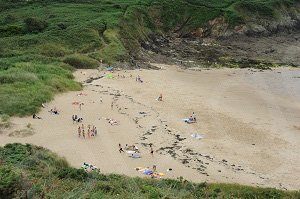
<point x="249" y="122"/>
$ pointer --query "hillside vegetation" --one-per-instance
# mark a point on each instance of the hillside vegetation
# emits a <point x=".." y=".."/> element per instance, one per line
<point x="42" y="42"/>
<point x="28" y="171"/>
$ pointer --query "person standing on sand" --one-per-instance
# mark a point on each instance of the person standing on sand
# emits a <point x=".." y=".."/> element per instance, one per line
<point x="121" y="149"/>
<point x="101" y="100"/>
<point x="151" y="151"/>
<point x="160" y="98"/>
<point x="80" y="105"/>
<point x="79" y="131"/>
<point x="194" y="116"/>
<point x="112" y="106"/>
<point x="89" y="133"/>
<point x="83" y="134"/>
<point x="95" y="131"/>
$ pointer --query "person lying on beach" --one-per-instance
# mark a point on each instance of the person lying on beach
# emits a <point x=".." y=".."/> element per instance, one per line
<point x="82" y="94"/>
<point x="112" y="121"/>
<point x="79" y="120"/>
<point x="190" y="120"/>
<point x="54" y="111"/>
<point x="34" y="116"/>
<point x="138" y="79"/>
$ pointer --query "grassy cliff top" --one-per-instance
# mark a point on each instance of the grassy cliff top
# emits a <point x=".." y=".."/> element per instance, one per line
<point x="28" y="171"/>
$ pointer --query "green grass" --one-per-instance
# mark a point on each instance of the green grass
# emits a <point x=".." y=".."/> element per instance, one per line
<point x="41" y="42"/>
<point x="26" y="84"/>
<point x="35" y="172"/>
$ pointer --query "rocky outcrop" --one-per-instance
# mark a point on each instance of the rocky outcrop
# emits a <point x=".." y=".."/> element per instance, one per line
<point x="285" y="21"/>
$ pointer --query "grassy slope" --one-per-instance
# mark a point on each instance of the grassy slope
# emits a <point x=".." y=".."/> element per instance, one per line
<point x="36" y="60"/>
<point x="27" y="170"/>
<point x="32" y="65"/>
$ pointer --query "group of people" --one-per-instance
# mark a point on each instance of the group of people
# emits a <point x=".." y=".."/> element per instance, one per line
<point x="91" y="131"/>
<point x="129" y="148"/>
<point x="89" y="167"/>
<point x="134" y="149"/>
<point x="76" y="119"/>
<point x="191" y="119"/>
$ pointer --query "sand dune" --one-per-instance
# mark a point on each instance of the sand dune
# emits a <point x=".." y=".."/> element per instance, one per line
<point x="250" y="123"/>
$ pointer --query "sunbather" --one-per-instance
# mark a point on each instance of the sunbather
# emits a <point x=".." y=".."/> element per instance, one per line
<point x="34" y="116"/>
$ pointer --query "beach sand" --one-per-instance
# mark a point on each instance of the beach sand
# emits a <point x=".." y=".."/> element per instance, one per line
<point x="249" y="120"/>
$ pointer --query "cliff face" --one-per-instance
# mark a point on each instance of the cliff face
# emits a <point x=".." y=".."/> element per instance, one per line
<point x="252" y="18"/>
<point x="198" y="33"/>
<point x="286" y="20"/>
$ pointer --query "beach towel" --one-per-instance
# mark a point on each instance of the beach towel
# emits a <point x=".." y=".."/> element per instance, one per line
<point x="109" y="68"/>
<point x="148" y="172"/>
<point x="187" y="120"/>
<point x="196" y="136"/>
<point x="109" y="76"/>
<point x="135" y="155"/>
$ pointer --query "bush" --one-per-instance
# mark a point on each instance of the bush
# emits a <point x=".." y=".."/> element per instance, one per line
<point x="10" y="182"/>
<point x="52" y="50"/>
<point x="81" y="61"/>
<point x="10" y="30"/>
<point x="72" y="173"/>
<point x="34" y="25"/>
<point x="15" y="153"/>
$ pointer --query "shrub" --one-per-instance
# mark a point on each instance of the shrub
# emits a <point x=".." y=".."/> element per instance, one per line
<point x="72" y="173"/>
<point x="33" y="24"/>
<point x="9" y="19"/>
<point x="10" y="182"/>
<point x="15" y="153"/>
<point x="81" y="61"/>
<point x="10" y="30"/>
<point x="53" y="50"/>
